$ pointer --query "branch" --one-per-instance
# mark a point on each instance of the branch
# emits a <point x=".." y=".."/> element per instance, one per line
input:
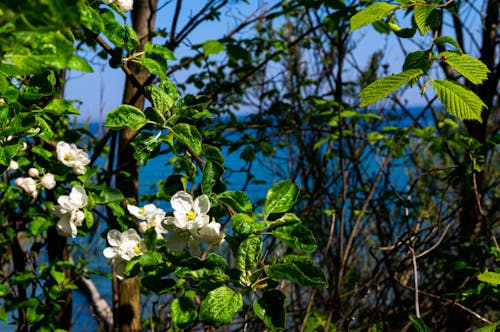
<point x="101" y="308"/>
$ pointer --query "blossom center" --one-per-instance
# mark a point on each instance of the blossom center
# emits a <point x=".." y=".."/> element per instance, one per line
<point x="191" y="215"/>
<point x="68" y="157"/>
<point x="137" y="250"/>
<point x="153" y="223"/>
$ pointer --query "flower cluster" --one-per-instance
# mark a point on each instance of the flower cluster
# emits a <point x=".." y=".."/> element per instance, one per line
<point x="72" y="157"/>
<point x="152" y="217"/>
<point x="190" y="224"/>
<point x="124" y="5"/>
<point x="69" y="211"/>
<point x="32" y="183"/>
<point x="185" y="230"/>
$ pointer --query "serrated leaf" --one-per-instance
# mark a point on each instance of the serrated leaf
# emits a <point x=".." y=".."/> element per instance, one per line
<point x="458" y="101"/>
<point x="125" y="116"/>
<point x="418" y="60"/>
<point x="489" y="277"/>
<point x="426" y="18"/>
<point x="281" y="197"/>
<point x="469" y="67"/>
<point x="384" y="86"/>
<point x="371" y="14"/>
<point x="448" y="40"/>
<point x="220" y="306"/>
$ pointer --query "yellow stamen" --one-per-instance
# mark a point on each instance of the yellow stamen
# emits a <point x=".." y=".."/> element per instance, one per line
<point x="137" y="250"/>
<point x="142" y="211"/>
<point x="153" y="223"/>
<point x="191" y="215"/>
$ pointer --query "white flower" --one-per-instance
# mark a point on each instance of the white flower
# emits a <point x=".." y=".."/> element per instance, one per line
<point x="212" y="234"/>
<point x="13" y="165"/>
<point x="183" y="240"/>
<point x="188" y="214"/>
<point x="33" y="172"/>
<point x="123" y="247"/>
<point x="69" y="211"/>
<point x="73" y="157"/>
<point x="125" y="5"/>
<point x="151" y="214"/>
<point x="28" y="185"/>
<point x="48" y="181"/>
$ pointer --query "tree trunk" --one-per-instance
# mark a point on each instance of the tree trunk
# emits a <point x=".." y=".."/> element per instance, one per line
<point x="127" y="309"/>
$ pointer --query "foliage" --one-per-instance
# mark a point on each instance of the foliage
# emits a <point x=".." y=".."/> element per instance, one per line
<point x="378" y="212"/>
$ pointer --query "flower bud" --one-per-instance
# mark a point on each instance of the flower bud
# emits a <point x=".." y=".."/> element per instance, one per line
<point x="33" y="172"/>
<point x="48" y="181"/>
<point x="13" y="165"/>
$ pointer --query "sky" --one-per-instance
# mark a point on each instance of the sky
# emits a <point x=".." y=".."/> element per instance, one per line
<point x="101" y="91"/>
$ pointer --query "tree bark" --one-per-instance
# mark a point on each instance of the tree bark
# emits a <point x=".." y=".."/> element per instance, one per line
<point x="126" y="311"/>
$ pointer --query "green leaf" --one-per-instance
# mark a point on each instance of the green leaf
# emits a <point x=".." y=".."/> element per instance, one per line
<point x="237" y="200"/>
<point x="7" y="151"/>
<point x="448" y="40"/>
<point x="281" y="197"/>
<point x="125" y="116"/>
<point x="244" y="224"/>
<point x="113" y="30"/>
<point x="89" y="218"/>
<point x="150" y="258"/>
<point x="469" y="67"/>
<point x="146" y="146"/>
<point x="108" y="195"/>
<point x="249" y="253"/>
<point x="80" y="64"/>
<point x="458" y="101"/>
<point x="91" y="19"/>
<point x="298" y="269"/>
<point x="60" y="107"/>
<point x="426" y="18"/>
<point x="418" y="60"/>
<point x="488" y="328"/>
<point x="3" y="315"/>
<point x="162" y="102"/>
<point x="297" y="236"/>
<point x="211" y="180"/>
<point x="220" y="306"/>
<point x="131" y="38"/>
<point x="183" y="312"/>
<point x="271" y="309"/>
<point x="188" y="135"/>
<point x="288" y="219"/>
<point x="371" y="14"/>
<point x="489" y="277"/>
<point x="419" y="324"/>
<point x="158" y="50"/>
<point x="384" y="86"/>
<point x="212" y="47"/>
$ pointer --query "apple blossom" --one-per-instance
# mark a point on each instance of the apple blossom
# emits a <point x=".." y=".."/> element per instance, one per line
<point x="69" y="211"/>
<point x="212" y="234"/>
<point x="28" y="185"/>
<point x="151" y="214"/>
<point x="123" y="247"/>
<point x="124" y="5"/>
<point x="189" y="214"/>
<point x="72" y="156"/>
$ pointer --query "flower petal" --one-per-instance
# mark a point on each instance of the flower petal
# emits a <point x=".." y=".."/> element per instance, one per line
<point x="201" y="204"/>
<point x="182" y="202"/>
<point x="114" y="238"/>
